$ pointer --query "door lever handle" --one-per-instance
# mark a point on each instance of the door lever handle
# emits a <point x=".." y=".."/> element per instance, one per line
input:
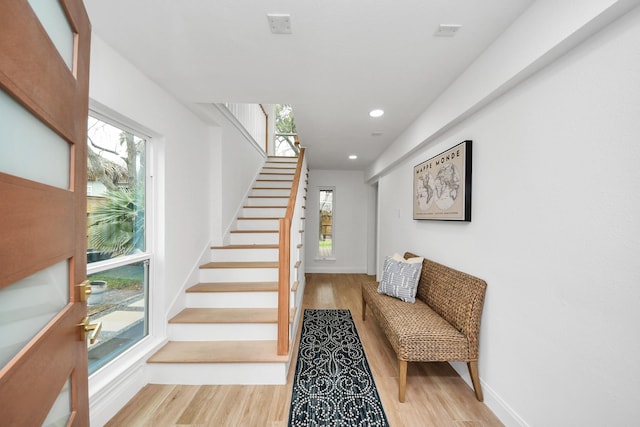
<point x="86" y="327"/>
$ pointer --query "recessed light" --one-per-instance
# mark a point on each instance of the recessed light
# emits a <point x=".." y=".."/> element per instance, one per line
<point x="376" y="113"/>
<point x="353" y="157"/>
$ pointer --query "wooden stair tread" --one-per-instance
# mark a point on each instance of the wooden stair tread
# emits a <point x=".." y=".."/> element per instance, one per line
<point x="229" y="315"/>
<point x="257" y="218"/>
<point x="218" y="352"/>
<point x="254" y="231"/>
<point x="263" y="207"/>
<point x="266" y="246"/>
<point x="277" y="173"/>
<point x="241" y="264"/>
<point x="235" y="287"/>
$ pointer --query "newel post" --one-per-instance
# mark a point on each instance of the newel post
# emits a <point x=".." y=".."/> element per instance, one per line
<point x="284" y="285"/>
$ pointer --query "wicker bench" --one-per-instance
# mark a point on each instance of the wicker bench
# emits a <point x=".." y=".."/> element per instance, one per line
<point x="442" y="326"/>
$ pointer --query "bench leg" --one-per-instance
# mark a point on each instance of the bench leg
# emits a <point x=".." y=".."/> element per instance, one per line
<point x="402" y="379"/>
<point x="475" y="379"/>
<point x="364" y="308"/>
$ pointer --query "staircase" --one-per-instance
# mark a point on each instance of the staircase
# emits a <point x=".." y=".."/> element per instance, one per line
<point x="227" y="334"/>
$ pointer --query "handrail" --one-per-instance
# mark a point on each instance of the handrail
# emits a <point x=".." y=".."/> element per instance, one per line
<point x="284" y="262"/>
<point x="266" y="128"/>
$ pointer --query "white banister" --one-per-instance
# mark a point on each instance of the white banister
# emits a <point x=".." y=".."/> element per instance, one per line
<point x="253" y="118"/>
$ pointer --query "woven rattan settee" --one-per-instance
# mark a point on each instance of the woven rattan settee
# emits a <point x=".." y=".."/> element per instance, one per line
<point x="442" y="326"/>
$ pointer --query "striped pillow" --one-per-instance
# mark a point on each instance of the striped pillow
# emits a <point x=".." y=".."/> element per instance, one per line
<point x="400" y="277"/>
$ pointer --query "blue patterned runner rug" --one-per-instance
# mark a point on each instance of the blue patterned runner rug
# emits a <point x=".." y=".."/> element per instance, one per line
<point x="333" y="385"/>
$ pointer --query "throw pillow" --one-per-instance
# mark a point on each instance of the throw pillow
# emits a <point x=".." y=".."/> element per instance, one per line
<point x="400" y="277"/>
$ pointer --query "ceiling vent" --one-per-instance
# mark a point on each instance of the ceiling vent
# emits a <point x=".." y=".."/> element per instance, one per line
<point x="279" y="23"/>
<point x="447" y="30"/>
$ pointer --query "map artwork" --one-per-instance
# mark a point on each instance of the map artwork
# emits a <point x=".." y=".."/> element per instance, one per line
<point x="442" y="185"/>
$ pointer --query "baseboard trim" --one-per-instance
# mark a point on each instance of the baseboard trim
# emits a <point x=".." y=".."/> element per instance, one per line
<point x="113" y="386"/>
<point x="505" y="413"/>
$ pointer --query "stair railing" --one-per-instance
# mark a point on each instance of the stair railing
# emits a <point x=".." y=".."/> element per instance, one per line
<point x="253" y="118"/>
<point x="286" y="253"/>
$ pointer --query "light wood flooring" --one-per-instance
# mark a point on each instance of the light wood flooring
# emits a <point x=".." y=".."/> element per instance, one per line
<point x="436" y="395"/>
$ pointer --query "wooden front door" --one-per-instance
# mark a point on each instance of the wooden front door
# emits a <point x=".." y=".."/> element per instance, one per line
<point x="44" y="75"/>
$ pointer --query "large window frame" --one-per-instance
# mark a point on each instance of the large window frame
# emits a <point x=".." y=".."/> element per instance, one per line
<point x="142" y="260"/>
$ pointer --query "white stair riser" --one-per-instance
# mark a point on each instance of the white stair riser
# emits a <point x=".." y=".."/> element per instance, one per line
<point x="232" y="299"/>
<point x="217" y="373"/>
<point x="272" y="183"/>
<point x="275" y="176"/>
<point x="225" y="255"/>
<point x="258" y="224"/>
<point x="287" y="167"/>
<point x="222" y="331"/>
<point x="289" y="161"/>
<point x="264" y="212"/>
<point x="254" y="238"/>
<point x="267" y="201"/>
<point x="238" y="275"/>
<point x="282" y="192"/>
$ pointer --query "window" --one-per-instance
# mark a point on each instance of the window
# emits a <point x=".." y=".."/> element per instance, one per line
<point x="118" y="259"/>
<point x="325" y="248"/>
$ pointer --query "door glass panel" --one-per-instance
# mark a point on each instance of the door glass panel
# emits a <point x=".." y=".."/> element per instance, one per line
<point x="28" y="305"/>
<point x="54" y="20"/>
<point x="61" y="410"/>
<point x="118" y="299"/>
<point x="30" y="149"/>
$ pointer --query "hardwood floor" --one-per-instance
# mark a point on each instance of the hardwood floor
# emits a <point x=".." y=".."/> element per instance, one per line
<point x="436" y="395"/>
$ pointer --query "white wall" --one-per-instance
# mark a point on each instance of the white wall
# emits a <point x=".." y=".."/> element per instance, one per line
<point x="195" y="196"/>
<point x="555" y="232"/>
<point x="181" y="168"/>
<point x="352" y="217"/>
<point x="234" y="164"/>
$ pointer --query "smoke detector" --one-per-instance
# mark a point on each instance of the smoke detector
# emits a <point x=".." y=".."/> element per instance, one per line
<point x="279" y="23"/>
<point x="447" y="30"/>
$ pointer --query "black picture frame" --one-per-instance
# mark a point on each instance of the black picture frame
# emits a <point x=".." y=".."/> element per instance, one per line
<point x="442" y="185"/>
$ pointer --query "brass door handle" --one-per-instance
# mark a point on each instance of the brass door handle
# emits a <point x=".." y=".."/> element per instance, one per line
<point x="86" y="327"/>
<point x="85" y="290"/>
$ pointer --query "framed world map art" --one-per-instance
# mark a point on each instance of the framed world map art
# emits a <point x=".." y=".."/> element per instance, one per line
<point x="442" y="185"/>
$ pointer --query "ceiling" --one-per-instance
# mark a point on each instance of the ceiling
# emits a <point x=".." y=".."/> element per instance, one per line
<point x="342" y="59"/>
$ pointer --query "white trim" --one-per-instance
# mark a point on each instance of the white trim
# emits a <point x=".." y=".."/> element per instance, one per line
<point x="108" y="264"/>
<point x="109" y="116"/>
<point x="179" y="301"/>
<point x="111" y="389"/>
<point x="500" y="408"/>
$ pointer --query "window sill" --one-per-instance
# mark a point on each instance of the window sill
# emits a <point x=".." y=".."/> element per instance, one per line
<point x="325" y="258"/>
